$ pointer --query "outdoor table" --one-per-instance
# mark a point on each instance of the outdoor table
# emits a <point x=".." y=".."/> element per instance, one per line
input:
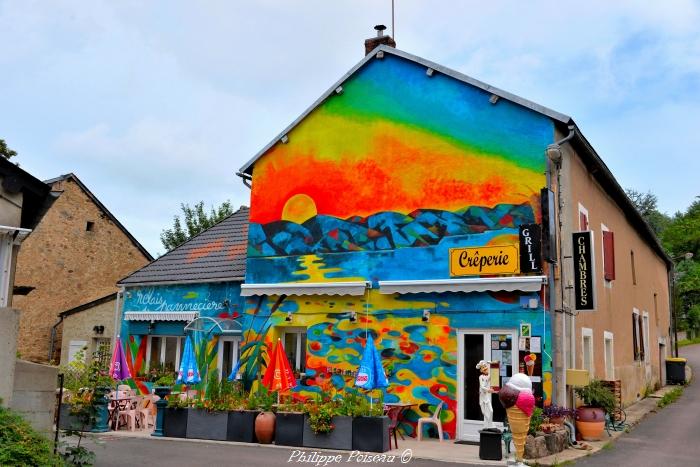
<point x="400" y="419"/>
<point x="117" y="405"/>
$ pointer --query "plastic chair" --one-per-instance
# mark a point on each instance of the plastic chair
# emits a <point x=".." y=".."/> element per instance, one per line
<point x="130" y="414"/>
<point x="434" y="420"/>
<point x="123" y="387"/>
<point x="393" y="413"/>
<point x="145" y="411"/>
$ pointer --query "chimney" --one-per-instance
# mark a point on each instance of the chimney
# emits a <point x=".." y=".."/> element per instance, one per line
<point x="373" y="42"/>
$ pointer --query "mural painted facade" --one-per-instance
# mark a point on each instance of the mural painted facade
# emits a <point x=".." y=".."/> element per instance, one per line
<point x="378" y="183"/>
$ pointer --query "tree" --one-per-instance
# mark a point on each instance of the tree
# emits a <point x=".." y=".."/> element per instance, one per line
<point x="647" y="205"/>
<point x="196" y="220"/>
<point x="683" y="233"/>
<point x="6" y="152"/>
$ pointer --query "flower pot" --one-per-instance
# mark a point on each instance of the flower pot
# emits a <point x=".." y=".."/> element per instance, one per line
<point x="289" y="429"/>
<point x="265" y="427"/>
<point x="175" y="422"/>
<point x="241" y="426"/>
<point x="557" y="420"/>
<point x="339" y="438"/>
<point x="72" y="421"/>
<point x="590" y="423"/>
<point x="204" y="424"/>
<point x="370" y="434"/>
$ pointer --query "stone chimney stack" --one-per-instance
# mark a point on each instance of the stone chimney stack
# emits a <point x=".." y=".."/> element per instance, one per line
<point x="373" y="42"/>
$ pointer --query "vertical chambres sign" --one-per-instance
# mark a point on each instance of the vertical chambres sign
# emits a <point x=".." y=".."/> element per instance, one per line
<point x="584" y="271"/>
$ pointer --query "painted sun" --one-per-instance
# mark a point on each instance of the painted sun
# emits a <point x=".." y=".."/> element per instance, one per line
<point x="299" y="208"/>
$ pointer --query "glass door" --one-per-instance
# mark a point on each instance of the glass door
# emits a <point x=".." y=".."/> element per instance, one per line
<point x="493" y="346"/>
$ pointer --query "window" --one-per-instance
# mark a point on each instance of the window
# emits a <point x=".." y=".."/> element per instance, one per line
<point x="587" y="350"/>
<point x="609" y="356"/>
<point x="295" y="348"/>
<point x="89" y="226"/>
<point x="608" y="253"/>
<point x="637" y="338"/>
<point x="74" y="348"/>
<point x="228" y="355"/>
<point x="634" y="272"/>
<point x="582" y="218"/>
<point x="164" y="351"/>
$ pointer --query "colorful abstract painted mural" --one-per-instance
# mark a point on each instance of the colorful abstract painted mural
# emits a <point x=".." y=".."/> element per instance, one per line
<point x="378" y="183"/>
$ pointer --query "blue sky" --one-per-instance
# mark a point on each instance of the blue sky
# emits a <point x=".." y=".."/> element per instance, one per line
<point x="152" y="105"/>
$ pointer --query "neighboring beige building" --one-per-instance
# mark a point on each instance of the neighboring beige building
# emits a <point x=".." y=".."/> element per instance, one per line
<point x="75" y="255"/>
<point x="89" y="326"/>
<point x="629" y="333"/>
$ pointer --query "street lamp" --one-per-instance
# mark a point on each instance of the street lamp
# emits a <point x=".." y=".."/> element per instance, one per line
<point x="674" y="299"/>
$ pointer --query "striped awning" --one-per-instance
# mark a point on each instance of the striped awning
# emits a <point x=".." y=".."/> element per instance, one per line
<point x="160" y="315"/>
<point x="356" y="288"/>
<point x="474" y="284"/>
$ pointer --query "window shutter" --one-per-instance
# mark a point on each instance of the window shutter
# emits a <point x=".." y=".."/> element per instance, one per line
<point x="641" y="337"/>
<point x="635" y="341"/>
<point x="609" y="255"/>
<point x="583" y="220"/>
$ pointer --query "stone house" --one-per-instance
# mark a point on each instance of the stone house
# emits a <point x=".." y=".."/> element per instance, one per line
<point x="76" y="254"/>
<point x="89" y="326"/>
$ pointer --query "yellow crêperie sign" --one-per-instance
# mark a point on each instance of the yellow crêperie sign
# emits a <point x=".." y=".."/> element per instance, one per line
<point x="497" y="259"/>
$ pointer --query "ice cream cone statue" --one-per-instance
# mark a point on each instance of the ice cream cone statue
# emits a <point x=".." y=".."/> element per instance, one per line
<point x="519" y="402"/>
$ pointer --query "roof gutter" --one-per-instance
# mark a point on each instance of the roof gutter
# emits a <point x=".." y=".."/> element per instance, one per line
<point x="246" y="179"/>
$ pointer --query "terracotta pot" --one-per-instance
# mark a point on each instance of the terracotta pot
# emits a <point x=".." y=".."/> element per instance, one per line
<point x="557" y="420"/>
<point x="590" y="423"/>
<point x="265" y="427"/>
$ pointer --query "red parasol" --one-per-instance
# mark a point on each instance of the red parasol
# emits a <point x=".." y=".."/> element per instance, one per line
<point x="279" y="375"/>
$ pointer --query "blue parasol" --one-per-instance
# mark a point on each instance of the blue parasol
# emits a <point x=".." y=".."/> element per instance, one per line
<point x="188" y="372"/>
<point x="371" y="373"/>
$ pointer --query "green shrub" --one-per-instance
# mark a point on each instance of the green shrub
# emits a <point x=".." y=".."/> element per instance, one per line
<point x="536" y="420"/>
<point x="670" y="397"/>
<point x="20" y="445"/>
<point x="596" y="394"/>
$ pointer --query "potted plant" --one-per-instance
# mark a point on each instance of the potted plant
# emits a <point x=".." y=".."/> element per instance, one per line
<point x="209" y="418"/>
<point x="265" y="421"/>
<point x="370" y="427"/>
<point x="325" y="428"/>
<point x="556" y="414"/>
<point x="175" y="417"/>
<point x="289" y="424"/>
<point x="590" y="418"/>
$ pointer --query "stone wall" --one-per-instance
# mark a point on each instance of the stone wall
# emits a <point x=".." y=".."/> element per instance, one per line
<point x="35" y="394"/>
<point x="69" y="265"/>
<point x="79" y="326"/>
<point x="9" y="324"/>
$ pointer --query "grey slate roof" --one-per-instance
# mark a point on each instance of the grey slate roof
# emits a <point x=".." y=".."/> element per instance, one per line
<point x="216" y="254"/>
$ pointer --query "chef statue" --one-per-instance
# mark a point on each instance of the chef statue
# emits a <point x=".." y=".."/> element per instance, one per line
<point x="485" y="392"/>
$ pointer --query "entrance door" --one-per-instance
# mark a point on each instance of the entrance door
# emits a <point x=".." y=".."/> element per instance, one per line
<point x="493" y="345"/>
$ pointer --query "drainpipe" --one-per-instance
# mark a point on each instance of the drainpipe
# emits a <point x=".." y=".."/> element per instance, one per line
<point x="245" y="178"/>
<point x="554" y="163"/>
<point x="52" y="340"/>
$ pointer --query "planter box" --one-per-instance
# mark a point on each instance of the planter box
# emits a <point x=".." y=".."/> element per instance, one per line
<point x="339" y="438"/>
<point x="289" y="429"/>
<point x="204" y="424"/>
<point x="175" y="422"/>
<point x="241" y="426"/>
<point x="370" y="434"/>
<point x="69" y="421"/>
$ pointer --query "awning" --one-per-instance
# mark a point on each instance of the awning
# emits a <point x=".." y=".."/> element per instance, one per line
<point x="476" y="284"/>
<point x="160" y="315"/>
<point x="306" y="288"/>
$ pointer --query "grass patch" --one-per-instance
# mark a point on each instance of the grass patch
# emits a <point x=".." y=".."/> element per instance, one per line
<point x="608" y="446"/>
<point x="670" y="397"/>
<point x="684" y="342"/>
<point x="562" y="463"/>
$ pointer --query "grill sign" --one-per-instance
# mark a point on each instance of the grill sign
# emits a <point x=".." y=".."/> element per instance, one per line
<point x="530" y="248"/>
<point x="484" y="260"/>
<point x="584" y="273"/>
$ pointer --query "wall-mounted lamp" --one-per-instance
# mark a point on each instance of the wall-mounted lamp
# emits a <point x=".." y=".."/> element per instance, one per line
<point x="353" y="316"/>
<point x="289" y="317"/>
<point x="98" y="329"/>
<point x="426" y="315"/>
<point x="225" y="303"/>
<point x="151" y="327"/>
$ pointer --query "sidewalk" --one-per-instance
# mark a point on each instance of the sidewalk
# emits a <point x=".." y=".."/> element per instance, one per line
<point x="448" y="451"/>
